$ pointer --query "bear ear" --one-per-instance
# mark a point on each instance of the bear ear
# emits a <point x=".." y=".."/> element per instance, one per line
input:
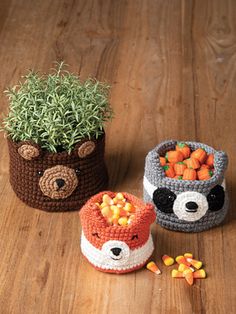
<point x="85" y="149"/>
<point x="29" y="151"/>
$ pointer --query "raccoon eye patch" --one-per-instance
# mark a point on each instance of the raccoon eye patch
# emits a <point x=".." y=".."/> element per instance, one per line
<point x="164" y="199"/>
<point x="216" y="198"/>
<point x="135" y="236"/>
<point x="95" y="234"/>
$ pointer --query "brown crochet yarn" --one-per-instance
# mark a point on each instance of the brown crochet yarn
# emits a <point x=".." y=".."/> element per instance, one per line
<point x="85" y="149"/>
<point x="28" y="151"/>
<point x="57" y="181"/>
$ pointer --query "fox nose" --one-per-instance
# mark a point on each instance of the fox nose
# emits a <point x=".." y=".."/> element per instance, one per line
<point x="191" y="207"/>
<point x="116" y="251"/>
<point x="60" y="183"/>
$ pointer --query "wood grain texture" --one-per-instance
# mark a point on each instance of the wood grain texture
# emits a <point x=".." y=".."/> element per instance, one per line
<point x="172" y="67"/>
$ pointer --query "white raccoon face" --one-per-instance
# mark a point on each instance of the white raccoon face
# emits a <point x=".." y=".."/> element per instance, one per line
<point x="116" y="251"/>
<point x="190" y="206"/>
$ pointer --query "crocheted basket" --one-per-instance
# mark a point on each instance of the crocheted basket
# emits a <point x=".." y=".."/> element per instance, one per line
<point x="116" y="249"/>
<point x="57" y="181"/>
<point x="170" y="195"/>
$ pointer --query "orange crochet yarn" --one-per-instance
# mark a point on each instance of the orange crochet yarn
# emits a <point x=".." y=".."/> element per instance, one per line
<point x="116" y="249"/>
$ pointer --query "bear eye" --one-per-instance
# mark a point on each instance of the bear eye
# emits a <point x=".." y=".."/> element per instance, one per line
<point x="40" y="173"/>
<point x="164" y="199"/>
<point x="95" y="234"/>
<point x="135" y="236"/>
<point x="216" y="198"/>
<point x="77" y="171"/>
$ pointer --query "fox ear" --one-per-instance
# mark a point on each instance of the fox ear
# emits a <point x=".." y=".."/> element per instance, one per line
<point x="147" y="215"/>
<point x="86" y="149"/>
<point x="29" y="151"/>
<point x="90" y="214"/>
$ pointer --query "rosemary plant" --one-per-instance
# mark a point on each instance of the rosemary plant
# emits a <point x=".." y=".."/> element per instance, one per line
<point x="56" y="110"/>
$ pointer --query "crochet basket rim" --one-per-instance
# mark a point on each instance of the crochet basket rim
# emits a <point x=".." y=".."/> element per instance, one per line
<point x="135" y="200"/>
<point x="51" y="155"/>
<point x="153" y="158"/>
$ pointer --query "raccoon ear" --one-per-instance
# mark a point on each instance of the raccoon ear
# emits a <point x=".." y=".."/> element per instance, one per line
<point x="221" y="161"/>
<point x="86" y="149"/>
<point x="29" y="151"/>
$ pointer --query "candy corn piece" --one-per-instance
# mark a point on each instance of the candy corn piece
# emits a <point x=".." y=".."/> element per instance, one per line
<point x="188" y="275"/>
<point x="153" y="267"/>
<point x="183" y="267"/>
<point x="176" y="274"/>
<point x="194" y="263"/>
<point x="120" y="196"/>
<point x="199" y="274"/>
<point x="167" y="260"/>
<point x="181" y="260"/>
<point x="188" y="255"/>
<point x="107" y="199"/>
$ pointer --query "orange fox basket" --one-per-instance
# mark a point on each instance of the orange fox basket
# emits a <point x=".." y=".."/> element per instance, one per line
<point x="116" y="249"/>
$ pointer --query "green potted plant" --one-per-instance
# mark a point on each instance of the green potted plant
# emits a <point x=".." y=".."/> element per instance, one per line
<point x="56" y="139"/>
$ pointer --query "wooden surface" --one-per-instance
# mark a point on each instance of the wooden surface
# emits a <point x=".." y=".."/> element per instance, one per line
<point x="172" y="67"/>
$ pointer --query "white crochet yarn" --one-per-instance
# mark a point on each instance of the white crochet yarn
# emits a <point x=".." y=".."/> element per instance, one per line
<point x="179" y="207"/>
<point x="124" y="253"/>
<point x="155" y="178"/>
<point x="149" y="187"/>
<point x="127" y="259"/>
<point x="183" y="198"/>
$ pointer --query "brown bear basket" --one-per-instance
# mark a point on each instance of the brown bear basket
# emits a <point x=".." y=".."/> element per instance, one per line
<point x="57" y="181"/>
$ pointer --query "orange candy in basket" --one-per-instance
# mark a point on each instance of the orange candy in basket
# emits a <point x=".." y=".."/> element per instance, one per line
<point x="184" y="164"/>
<point x="118" y="211"/>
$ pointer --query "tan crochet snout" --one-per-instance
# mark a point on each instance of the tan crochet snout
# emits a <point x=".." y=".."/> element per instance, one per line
<point x="58" y="182"/>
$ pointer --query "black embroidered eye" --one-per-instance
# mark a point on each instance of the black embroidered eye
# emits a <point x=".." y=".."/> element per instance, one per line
<point x="40" y="173"/>
<point x="164" y="199"/>
<point x="135" y="236"/>
<point x="77" y="171"/>
<point x="216" y="198"/>
<point x="95" y="234"/>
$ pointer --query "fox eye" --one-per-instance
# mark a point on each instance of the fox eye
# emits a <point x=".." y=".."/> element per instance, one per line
<point x="135" y="236"/>
<point x="95" y="234"/>
<point x="40" y="173"/>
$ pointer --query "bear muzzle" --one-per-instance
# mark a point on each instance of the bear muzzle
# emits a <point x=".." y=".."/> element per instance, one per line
<point x="58" y="182"/>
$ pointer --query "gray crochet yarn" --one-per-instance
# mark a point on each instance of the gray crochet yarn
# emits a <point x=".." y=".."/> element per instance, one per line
<point x="183" y="191"/>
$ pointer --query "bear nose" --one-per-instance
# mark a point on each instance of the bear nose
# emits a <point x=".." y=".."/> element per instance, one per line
<point x="60" y="183"/>
<point x="191" y="207"/>
<point x="116" y="251"/>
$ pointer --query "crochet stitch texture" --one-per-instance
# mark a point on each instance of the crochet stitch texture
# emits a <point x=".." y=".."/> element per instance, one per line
<point x="203" y="193"/>
<point x="57" y="181"/>
<point x="99" y="239"/>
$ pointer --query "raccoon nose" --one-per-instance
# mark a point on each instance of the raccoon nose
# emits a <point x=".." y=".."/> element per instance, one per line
<point x="60" y="183"/>
<point x="191" y="207"/>
<point x="116" y="251"/>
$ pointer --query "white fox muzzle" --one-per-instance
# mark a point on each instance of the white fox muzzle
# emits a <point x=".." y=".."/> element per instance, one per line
<point x="116" y="255"/>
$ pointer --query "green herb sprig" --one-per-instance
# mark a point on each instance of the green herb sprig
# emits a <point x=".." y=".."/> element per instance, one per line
<point x="57" y="110"/>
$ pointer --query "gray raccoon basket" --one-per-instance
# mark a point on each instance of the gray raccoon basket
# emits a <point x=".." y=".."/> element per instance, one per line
<point x="170" y="196"/>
